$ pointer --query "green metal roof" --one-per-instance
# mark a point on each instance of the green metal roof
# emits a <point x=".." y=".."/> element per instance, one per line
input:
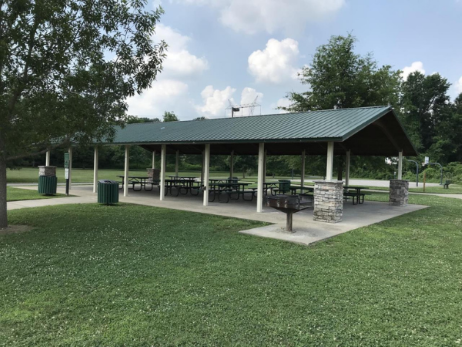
<point x="348" y="126"/>
<point x="317" y="125"/>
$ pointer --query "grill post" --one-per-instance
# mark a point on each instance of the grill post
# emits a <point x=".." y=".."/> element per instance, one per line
<point x="289" y="221"/>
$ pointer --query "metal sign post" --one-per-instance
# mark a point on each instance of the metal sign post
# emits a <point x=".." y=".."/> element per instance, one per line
<point x="66" y="171"/>
<point x="441" y="171"/>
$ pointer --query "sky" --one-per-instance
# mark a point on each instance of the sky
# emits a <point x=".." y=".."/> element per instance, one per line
<point x="239" y="51"/>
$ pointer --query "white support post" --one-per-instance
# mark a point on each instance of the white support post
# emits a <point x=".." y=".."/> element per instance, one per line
<point x="206" y="174"/>
<point x="47" y="158"/>
<point x="231" y="165"/>
<point x="95" y="170"/>
<point x="261" y="164"/>
<point x="330" y="161"/>
<point x="177" y="162"/>
<point x="302" y="183"/>
<point x="347" y="168"/>
<point x="400" y="165"/>
<point x="153" y="159"/>
<point x="70" y="167"/>
<point x="163" y="164"/>
<point x="264" y="167"/>
<point x="126" y="169"/>
<point x="203" y="165"/>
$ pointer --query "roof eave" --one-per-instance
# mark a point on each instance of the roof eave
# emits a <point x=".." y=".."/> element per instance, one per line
<point x="299" y="140"/>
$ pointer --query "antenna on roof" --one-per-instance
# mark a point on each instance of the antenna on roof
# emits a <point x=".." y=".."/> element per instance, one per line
<point x="237" y="108"/>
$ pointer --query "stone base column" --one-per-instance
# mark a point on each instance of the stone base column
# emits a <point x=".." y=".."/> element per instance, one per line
<point x="47" y="170"/>
<point x="399" y="192"/>
<point x="328" y="201"/>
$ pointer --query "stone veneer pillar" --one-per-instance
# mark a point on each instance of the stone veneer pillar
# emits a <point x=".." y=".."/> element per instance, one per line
<point x="399" y="192"/>
<point x="154" y="174"/>
<point x="47" y="170"/>
<point x="328" y="201"/>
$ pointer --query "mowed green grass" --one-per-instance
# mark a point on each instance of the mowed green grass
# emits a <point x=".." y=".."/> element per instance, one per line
<point x="90" y="275"/>
<point x="30" y="175"/>
<point x="453" y="189"/>
<point x="16" y="194"/>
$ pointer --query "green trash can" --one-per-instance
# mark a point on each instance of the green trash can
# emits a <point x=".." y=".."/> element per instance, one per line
<point x="284" y="186"/>
<point x="47" y="185"/>
<point x="108" y="192"/>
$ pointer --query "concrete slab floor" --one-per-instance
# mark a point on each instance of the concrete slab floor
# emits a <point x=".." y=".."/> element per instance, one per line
<point x="306" y="230"/>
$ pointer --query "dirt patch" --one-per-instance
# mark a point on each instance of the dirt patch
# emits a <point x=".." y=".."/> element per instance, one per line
<point x="15" y="229"/>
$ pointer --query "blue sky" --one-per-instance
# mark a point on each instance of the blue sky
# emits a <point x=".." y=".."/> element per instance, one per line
<point x="241" y="49"/>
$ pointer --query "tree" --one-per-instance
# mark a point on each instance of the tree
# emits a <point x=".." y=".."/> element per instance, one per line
<point x="424" y="106"/>
<point x="135" y="119"/>
<point x="66" y="70"/>
<point x="245" y="163"/>
<point x="340" y="78"/>
<point x="446" y="143"/>
<point x="170" y="117"/>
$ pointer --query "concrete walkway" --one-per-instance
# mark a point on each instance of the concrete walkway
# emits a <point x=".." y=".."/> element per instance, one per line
<point x="306" y="230"/>
<point x="15" y="205"/>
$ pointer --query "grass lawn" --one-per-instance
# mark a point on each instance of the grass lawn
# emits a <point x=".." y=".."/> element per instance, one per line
<point x="453" y="189"/>
<point x="130" y="275"/>
<point x="30" y="175"/>
<point x="16" y="194"/>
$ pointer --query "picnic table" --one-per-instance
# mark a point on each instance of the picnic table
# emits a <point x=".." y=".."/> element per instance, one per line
<point x="222" y="180"/>
<point x="270" y="186"/>
<point x="218" y="188"/>
<point x="142" y="181"/>
<point x="182" y="184"/>
<point x="293" y="189"/>
<point x="183" y="177"/>
<point x="357" y="194"/>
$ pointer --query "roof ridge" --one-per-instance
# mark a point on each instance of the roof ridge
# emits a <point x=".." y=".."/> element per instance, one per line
<point x="271" y="114"/>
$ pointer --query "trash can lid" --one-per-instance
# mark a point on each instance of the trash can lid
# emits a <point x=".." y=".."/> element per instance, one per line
<point x="107" y="181"/>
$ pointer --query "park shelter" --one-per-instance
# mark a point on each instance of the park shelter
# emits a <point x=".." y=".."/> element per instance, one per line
<point x="367" y="131"/>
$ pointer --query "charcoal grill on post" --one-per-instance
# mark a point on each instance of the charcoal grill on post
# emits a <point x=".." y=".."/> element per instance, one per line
<point x="289" y="204"/>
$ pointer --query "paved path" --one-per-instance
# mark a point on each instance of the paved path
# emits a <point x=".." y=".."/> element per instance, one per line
<point x="381" y="183"/>
<point x="14" y="205"/>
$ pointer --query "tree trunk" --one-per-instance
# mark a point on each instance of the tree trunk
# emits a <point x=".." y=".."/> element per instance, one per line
<point x="3" y="215"/>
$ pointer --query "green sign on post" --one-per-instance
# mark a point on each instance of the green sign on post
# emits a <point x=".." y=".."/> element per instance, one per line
<point x="66" y="171"/>
<point x="66" y="160"/>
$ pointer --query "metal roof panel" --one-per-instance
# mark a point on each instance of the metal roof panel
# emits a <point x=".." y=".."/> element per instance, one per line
<point x="310" y="126"/>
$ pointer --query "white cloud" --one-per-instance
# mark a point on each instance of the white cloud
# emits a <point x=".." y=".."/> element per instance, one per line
<point x="276" y="63"/>
<point x="249" y="96"/>
<point x="458" y="86"/>
<point x="164" y="95"/>
<point x="270" y="16"/>
<point x="415" y="66"/>
<point x="284" y="102"/>
<point x="169" y="92"/>
<point x="179" y="62"/>
<point x="215" y="101"/>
